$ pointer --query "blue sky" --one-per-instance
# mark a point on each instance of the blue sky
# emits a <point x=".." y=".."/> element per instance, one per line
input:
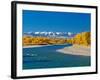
<point x="55" y="21"/>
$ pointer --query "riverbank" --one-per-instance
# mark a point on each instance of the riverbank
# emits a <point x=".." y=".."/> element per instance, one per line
<point x="76" y="50"/>
<point x="32" y="46"/>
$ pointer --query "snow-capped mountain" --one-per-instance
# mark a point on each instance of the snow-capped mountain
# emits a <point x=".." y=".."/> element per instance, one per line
<point x="50" y="34"/>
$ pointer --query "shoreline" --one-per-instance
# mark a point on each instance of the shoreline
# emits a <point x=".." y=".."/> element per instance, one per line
<point x="76" y="50"/>
<point x="32" y="46"/>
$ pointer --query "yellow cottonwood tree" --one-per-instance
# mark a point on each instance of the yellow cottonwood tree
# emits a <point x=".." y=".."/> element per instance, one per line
<point x="83" y="38"/>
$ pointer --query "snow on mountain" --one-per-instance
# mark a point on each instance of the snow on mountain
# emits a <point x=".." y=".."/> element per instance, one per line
<point x="69" y="33"/>
<point x="36" y="32"/>
<point x="50" y="34"/>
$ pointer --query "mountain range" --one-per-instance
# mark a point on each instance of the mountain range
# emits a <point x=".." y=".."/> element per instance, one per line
<point x="50" y="34"/>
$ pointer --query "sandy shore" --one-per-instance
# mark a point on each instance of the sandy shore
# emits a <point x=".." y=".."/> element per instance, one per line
<point x="76" y="50"/>
<point x="35" y="46"/>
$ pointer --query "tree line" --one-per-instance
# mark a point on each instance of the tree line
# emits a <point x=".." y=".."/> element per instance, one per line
<point x="80" y="39"/>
